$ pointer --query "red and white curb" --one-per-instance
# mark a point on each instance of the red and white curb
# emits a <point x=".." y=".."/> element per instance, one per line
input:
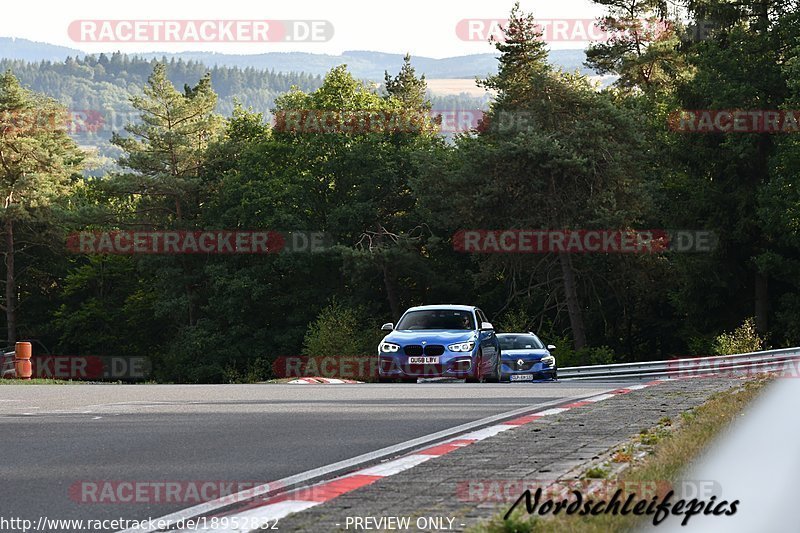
<point x="321" y="381"/>
<point x="267" y="511"/>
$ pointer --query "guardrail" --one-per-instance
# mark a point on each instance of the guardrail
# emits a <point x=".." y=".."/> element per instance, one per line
<point x="7" y="365"/>
<point x="766" y="361"/>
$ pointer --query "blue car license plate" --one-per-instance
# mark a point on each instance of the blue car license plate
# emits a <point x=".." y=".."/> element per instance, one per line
<point x="423" y="360"/>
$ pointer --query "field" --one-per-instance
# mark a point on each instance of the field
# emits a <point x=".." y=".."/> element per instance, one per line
<point x="444" y="86"/>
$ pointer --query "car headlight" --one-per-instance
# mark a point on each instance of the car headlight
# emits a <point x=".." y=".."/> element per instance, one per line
<point x="462" y="347"/>
<point x="388" y="347"/>
<point x="548" y="360"/>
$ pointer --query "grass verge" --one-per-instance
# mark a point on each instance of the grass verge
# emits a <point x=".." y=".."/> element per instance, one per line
<point x="670" y="448"/>
<point x="38" y="381"/>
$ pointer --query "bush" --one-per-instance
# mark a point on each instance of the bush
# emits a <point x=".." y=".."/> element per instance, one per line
<point x="254" y="371"/>
<point x="513" y="321"/>
<point x="195" y="355"/>
<point x="347" y="334"/>
<point x="744" y="339"/>
<point x="342" y="331"/>
<point x="566" y="355"/>
<point x="600" y="355"/>
<point x="701" y="345"/>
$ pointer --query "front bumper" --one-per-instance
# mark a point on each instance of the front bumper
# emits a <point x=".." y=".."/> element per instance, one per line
<point x="529" y="371"/>
<point x="457" y="365"/>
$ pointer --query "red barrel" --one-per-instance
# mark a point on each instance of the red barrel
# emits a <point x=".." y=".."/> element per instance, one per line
<point x="22" y="360"/>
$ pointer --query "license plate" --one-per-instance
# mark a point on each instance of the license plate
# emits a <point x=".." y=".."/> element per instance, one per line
<point x="423" y="360"/>
<point x="521" y="377"/>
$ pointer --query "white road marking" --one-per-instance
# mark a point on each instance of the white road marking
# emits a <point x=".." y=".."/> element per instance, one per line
<point x="554" y="411"/>
<point x="485" y="433"/>
<point x="397" y="465"/>
<point x="600" y="398"/>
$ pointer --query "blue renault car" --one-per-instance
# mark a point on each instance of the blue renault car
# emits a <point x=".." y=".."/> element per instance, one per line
<point x="525" y="358"/>
<point x="451" y="341"/>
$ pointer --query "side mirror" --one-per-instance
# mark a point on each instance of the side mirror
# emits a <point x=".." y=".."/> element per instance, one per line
<point x="387" y="327"/>
<point x="550" y="347"/>
<point x="486" y="326"/>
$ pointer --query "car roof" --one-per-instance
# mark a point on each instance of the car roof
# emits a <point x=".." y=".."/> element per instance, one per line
<point x="520" y="333"/>
<point x="453" y="307"/>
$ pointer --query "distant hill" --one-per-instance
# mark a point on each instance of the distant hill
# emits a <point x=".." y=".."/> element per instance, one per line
<point x="25" y="50"/>
<point x="363" y="64"/>
<point x="372" y="65"/>
<point x="97" y="89"/>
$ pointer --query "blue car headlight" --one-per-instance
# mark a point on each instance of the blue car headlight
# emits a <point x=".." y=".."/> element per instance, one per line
<point x="462" y="347"/>
<point x="389" y="347"/>
<point x="548" y="360"/>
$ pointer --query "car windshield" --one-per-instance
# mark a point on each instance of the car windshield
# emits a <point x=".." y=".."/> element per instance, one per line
<point x="437" y="319"/>
<point x="519" y="342"/>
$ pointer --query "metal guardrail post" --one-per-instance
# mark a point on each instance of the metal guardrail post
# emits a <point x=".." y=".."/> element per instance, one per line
<point x="7" y="364"/>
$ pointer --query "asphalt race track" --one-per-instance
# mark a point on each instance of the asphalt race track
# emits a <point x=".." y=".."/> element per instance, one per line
<point x="59" y="436"/>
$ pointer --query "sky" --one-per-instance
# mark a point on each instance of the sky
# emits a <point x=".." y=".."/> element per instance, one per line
<point x="420" y="27"/>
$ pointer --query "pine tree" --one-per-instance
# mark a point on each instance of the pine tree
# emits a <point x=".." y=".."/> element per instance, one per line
<point x="165" y="150"/>
<point x="523" y="58"/>
<point x="38" y="162"/>
<point x="407" y="88"/>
